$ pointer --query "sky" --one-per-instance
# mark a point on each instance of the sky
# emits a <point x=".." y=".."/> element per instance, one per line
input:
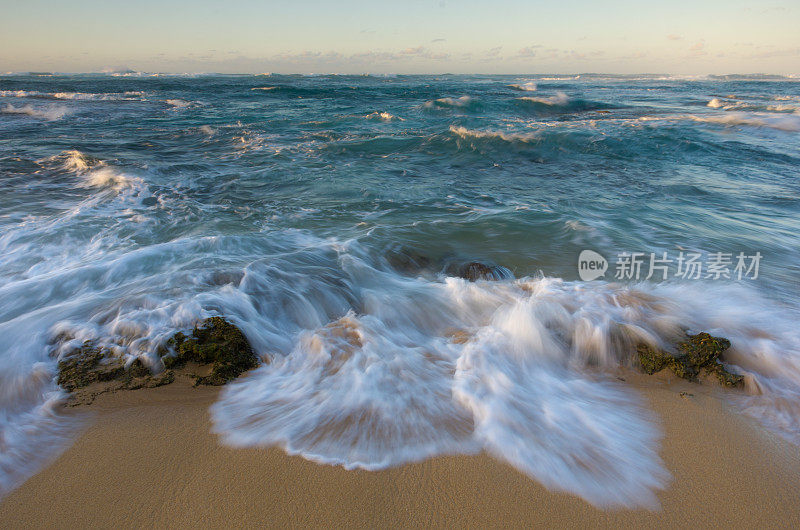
<point x="411" y="36"/>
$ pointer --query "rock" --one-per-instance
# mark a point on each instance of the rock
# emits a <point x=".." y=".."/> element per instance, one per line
<point x="475" y="270"/>
<point x="408" y="260"/>
<point x="91" y="370"/>
<point x="215" y="341"/>
<point x="697" y="354"/>
<point x="88" y="371"/>
<point x="86" y="365"/>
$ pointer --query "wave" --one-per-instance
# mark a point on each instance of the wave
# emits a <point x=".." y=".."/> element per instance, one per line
<point x="560" y="102"/>
<point x="733" y="103"/>
<point x="382" y="116"/>
<point x="459" y="102"/>
<point x="465" y="133"/>
<point x="45" y="113"/>
<point x="266" y="88"/>
<point x="33" y="431"/>
<point x="74" y="160"/>
<point x="369" y="368"/>
<point x="178" y="103"/>
<point x="788" y="123"/>
<point x="525" y="87"/>
<point x="82" y="96"/>
<point x="560" y="99"/>
<point x="93" y="172"/>
<point x="455" y="367"/>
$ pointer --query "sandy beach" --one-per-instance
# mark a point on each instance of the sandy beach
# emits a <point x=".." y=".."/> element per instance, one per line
<point x="147" y="458"/>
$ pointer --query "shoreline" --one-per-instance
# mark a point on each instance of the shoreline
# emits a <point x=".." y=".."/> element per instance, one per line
<point x="148" y="458"/>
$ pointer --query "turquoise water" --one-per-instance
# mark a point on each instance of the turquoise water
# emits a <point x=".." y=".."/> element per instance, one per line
<point x="134" y="205"/>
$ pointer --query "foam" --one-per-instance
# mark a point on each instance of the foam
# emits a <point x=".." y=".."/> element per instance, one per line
<point x="788" y="123"/>
<point x="525" y="87"/>
<point x="45" y="113"/>
<point x="559" y="100"/>
<point x="382" y="116"/>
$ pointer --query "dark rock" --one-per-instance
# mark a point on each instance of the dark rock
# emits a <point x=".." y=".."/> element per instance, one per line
<point x="697" y="354"/>
<point x="215" y="341"/>
<point x="89" y="371"/>
<point x="408" y="260"/>
<point x="86" y="365"/>
<point x="475" y="270"/>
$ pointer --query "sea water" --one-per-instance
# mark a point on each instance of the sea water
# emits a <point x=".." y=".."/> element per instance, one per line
<point x="325" y="216"/>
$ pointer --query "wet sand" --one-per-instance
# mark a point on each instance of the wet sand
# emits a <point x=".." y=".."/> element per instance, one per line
<point x="147" y="458"/>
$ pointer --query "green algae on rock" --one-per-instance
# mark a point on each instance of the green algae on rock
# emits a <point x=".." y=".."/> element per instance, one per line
<point x="89" y="371"/>
<point x="697" y="354"/>
<point x="215" y="341"/>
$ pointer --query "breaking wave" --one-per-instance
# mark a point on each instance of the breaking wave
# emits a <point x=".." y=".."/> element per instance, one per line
<point x="560" y="100"/>
<point x="81" y="96"/>
<point x="382" y="116"/>
<point x="789" y="123"/>
<point x="525" y="87"/>
<point x="44" y="113"/>
<point x="463" y="102"/>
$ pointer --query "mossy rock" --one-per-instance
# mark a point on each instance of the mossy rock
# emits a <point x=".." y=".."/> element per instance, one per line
<point x="475" y="270"/>
<point x="86" y="365"/>
<point x="697" y="354"/>
<point x="215" y="341"/>
<point x="90" y="364"/>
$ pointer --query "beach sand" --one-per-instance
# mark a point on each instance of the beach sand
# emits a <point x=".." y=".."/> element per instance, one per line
<point x="147" y="458"/>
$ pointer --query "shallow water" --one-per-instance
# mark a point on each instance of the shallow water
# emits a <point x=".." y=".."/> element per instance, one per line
<point x="133" y="206"/>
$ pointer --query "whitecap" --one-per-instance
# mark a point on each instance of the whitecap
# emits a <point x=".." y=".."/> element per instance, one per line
<point x="560" y="99"/>
<point x="525" y="87"/>
<point x="382" y="116"/>
<point x="463" y="101"/>
<point x="45" y="113"/>
<point x="788" y="123"/>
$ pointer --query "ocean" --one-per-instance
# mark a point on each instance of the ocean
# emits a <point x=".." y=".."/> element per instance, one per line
<point x="329" y="218"/>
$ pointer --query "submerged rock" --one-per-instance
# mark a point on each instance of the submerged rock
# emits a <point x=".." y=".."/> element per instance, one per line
<point x="408" y="260"/>
<point x="475" y="270"/>
<point x="91" y="370"/>
<point x="697" y="354"/>
<point x="215" y="341"/>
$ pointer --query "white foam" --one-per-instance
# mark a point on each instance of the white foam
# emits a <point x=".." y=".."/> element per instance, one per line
<point x="46" y="113"/>
<point x="81" y="96"/>
<point x="525" y="87"/>
<point x="382" y="116"/>
<point x="521" y="368"/>
<point x="466" y="134"/>
<point x="789" y="123"/>
<point x="106" y="177"/>
<point x="462" y="101"/>
<point x="178" y="103"/>
<point x="560" y="99"/>
<point x="369" y="390"/>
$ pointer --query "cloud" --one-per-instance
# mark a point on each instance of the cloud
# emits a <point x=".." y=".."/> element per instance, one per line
<point x="494" y="52"/>
<point x="419" y="50"/>
<point x="698" y="48"/>
<point x="528" y="51"/>
<point x="673" y="36"/>
<point x="439" y="40"/>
